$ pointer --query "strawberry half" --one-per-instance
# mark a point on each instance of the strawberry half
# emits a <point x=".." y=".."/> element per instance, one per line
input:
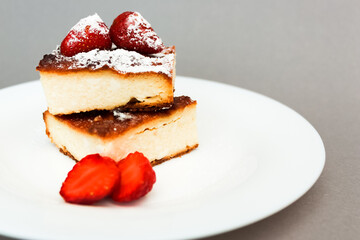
<point x="90" y="180"/>
<point x="88" y="34"/>
<point x="132" y="32"/>
<point x="137" y="178"/>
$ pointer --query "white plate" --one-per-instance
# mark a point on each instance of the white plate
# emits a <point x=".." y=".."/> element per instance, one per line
<point x="256" y="156"/>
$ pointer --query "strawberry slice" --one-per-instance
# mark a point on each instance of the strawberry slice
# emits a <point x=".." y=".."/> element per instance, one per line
<point x="88" y="34"/>
<point x="136" y="178"/>
<point x="90" y="180"/>
<point x="132" y="32"/>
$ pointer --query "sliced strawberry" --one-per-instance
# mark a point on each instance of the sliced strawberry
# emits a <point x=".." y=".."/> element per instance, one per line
<point x="132" y="32"/>
<point x="136" y="178"/>
<point x="88" y="34"/>
<point x="90" y="180"/>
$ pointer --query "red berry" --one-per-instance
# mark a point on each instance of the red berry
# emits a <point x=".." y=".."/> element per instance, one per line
<point x="132" y="32"/>
<point x="88" y="34"/>
<point x="136" y="178"/>
<point x="90" y="180"/>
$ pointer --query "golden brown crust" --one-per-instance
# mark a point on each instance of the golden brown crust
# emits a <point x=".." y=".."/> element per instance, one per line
<point x="153" y="163"/>
<point x="179" y="154"/>
<point x="105" y="125"/>
<point x="133" y="107"/>
<point x="46" y="126"/>
<point x="67" y="153"/>
<point x="57" y="63"/>
<point x="104" y="69"/>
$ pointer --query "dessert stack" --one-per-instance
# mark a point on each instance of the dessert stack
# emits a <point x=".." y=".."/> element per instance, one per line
<point x="111" y="92"/>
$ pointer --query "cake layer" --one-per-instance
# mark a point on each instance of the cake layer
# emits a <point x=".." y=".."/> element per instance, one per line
<point x="104" y="80"/>
<point x="159" y="135"/>
<point x="85" y="90"/>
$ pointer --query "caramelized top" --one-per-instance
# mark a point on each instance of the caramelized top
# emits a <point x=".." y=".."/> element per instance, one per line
<point x="120" y="60"/>
<point x="111" y="123"/>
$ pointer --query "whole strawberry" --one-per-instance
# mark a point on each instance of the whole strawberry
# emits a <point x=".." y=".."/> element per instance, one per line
<point x="88" y="34"/>
<point x="132" y="32"/>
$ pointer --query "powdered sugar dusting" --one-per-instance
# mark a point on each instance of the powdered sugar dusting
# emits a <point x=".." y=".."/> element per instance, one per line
<point x="122" y="115"/>
<point x="94" y="24"/>
<point x="121" y="60"/>
<point x="140" y="30"/>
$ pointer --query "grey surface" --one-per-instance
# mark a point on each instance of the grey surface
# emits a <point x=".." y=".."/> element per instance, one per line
<point x="305" y="54"/>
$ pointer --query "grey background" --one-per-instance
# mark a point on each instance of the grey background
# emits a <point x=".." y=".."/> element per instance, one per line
<point x="305" y="54"/>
